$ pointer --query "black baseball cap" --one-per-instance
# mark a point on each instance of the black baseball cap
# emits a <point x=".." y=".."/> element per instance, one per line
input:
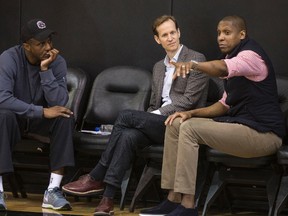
<point x="37" y="29"/>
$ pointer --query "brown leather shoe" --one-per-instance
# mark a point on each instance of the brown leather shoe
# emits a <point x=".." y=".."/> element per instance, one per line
<point x="105" y="207"/>
<point x="84" y="186"/>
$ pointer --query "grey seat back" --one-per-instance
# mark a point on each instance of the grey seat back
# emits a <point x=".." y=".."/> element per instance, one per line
<point x="116" y="89"/>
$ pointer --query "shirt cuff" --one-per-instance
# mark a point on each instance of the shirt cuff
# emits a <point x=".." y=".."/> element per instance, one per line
<point x="47" y="76"/>
<point x="156" y="112"/>
<point x="38" y="112"/>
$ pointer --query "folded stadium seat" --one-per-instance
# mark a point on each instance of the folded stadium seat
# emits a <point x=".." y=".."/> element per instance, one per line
<point x="114" y="89"/>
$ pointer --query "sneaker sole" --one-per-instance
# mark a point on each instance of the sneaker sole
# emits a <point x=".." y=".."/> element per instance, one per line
<point x="104" y="213"/>
<point x="86" y="193"/>
<point x="152" y="214"/>
<point x="65" y="207"/>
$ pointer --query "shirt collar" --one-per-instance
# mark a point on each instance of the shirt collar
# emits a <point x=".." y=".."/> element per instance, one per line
<point x="174" y="59"/>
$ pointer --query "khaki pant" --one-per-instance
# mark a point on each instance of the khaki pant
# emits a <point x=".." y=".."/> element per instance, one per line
<point x="182" y="142"/>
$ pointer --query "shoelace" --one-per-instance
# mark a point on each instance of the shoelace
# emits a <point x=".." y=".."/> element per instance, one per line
<point x="84" y="176"/>
<point x="56" y="192"/>
<point x="81" y="177"/>
<point x="3" y="195"/>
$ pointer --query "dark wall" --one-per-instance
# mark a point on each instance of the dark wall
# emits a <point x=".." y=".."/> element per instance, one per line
<point x="9" y="23"/>
<point x="97" y="34"/>
<point x="267" y="22"/>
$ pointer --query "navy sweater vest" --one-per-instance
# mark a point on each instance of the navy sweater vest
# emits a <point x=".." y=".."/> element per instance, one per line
<point x="254" y="104"/>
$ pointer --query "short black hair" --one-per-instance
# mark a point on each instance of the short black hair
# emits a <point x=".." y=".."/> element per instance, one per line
<point x="238" y="21"/>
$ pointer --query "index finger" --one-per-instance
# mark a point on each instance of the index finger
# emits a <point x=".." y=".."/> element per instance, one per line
<point x="68" y="111"/>
<point x="170" y="119"/>
<point x="173" y="63"/>
<point x="55" y="50"/>
<point x="177" y="69"/>
<point x="167" y="120"/>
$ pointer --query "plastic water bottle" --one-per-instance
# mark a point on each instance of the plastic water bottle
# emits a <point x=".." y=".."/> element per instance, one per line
<point x="104" y="129"/>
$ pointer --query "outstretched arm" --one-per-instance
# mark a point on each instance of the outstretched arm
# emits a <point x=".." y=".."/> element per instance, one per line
<point x="216" y="68"/>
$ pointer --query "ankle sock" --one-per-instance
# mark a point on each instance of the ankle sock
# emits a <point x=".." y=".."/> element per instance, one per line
<point x="1" y="184"/>
<point x="110" y="191"/>
<point x="98" y="173"/>
<point x="55" y="181"/>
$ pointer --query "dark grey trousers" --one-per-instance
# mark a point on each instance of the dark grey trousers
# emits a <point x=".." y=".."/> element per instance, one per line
<point x="59" y="130"/>
<point x="132" y="131"/>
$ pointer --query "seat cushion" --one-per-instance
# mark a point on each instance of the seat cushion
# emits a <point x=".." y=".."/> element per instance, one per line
<point x="233" y="161"/>
<point x="152" y="151"/>
<point x="91" y="144"/>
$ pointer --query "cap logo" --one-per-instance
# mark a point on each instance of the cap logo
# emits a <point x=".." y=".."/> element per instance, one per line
<point x="41" y="25"/>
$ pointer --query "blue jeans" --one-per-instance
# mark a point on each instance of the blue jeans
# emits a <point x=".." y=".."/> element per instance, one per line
<point x="133" y="130"/>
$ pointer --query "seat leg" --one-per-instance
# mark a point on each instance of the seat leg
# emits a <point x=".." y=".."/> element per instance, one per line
<point x="215" y="188"/>
<point x="125" y="186"/>
<point x="201" y="181"/>
<point x="143" y="184"/>
<point x="282" y="196"/>
<point x="16" y="184"/>
<point x="272" y="189"/>
<point x="13" y="185"/>
<point x="20" y="184"/>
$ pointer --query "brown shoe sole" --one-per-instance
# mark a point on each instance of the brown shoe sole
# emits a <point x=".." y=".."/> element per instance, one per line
<point x="86" y="193"/>
<point x="104" y="213"/>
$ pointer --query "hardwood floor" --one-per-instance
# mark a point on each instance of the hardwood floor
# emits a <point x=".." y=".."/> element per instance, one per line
<point x="84" y="207"/>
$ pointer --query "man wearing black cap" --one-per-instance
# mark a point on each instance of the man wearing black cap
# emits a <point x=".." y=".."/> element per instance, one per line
<point x="33" y="93"/>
